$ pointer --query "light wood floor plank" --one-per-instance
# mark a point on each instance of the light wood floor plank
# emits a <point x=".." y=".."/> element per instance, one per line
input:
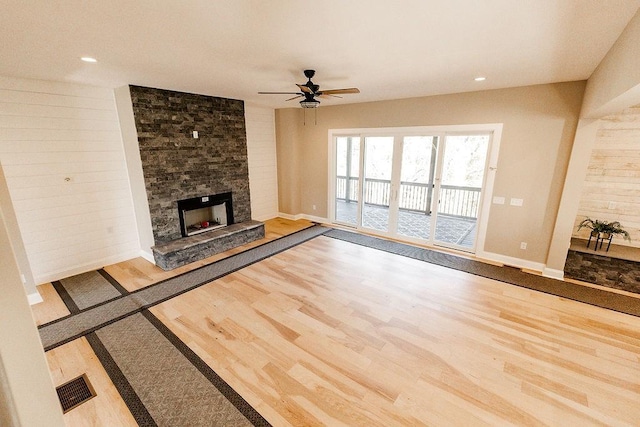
<point x="139" y="273"/>
<point x="106" y="409"/>
<point x="51" y="308"/>
<point x="331" y="333"/>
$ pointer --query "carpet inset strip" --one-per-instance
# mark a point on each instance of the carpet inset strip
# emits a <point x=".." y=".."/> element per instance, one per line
<point x="511" y="275"/>
<point x="128" y="394"/>
<point x="221" y="385"/>
<point x="90" y="319"/>
<point x="89" y="289"/>
<point x="171" y="388"/>
<point x="143" y="355"/>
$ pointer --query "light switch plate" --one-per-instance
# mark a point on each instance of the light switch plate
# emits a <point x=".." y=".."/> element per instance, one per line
<point x="516" y="202"/>
<point x="498" y="200"/>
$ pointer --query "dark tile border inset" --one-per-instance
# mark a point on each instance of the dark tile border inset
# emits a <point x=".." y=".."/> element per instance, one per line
<point x="225" y="389"/>
<point x="128" y="394"/>
<point x="113" y="282"/>
<point x="66" y="299"/>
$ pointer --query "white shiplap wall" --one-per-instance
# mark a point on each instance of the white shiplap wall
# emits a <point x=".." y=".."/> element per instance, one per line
<point x="261" y="151"/>
<point x="63" y="158"/>
<point x="612" y="187"/>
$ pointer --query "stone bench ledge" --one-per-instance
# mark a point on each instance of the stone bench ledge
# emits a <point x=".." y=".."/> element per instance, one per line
<point x="208" y="236"/>
<point x="186" y="250"/>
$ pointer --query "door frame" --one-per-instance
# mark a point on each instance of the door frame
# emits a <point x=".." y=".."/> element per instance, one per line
<point x="438" y="183"/>
<point x="495" y="129"/>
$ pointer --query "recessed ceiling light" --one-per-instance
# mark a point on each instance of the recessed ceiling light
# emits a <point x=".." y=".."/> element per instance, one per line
<point x="480" y="79"/>
<point x="88" y="59"/>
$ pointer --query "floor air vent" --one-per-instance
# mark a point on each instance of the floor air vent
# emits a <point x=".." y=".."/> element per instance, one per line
<point x="75" y="392"/>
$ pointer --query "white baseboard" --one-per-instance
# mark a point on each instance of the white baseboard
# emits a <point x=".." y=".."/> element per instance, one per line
<point x="304" y="216"/>
<point x="291" y="217"/>
<point x="148" y="256"/>
<point x="83" y="268"/>
<point x="511" y="261"/>
<point x="313" y="218"/>
<point x="34" y="298"/>
<point x="263" y="218"/>
<point x="553" y="273"/>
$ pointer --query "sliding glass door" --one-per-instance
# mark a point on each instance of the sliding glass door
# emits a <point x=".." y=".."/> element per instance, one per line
<point x="347" y="179"/>
<point x="417" y="177"/>
<point x="460" y="188"/>
<point x="378" y="190"/>
<point x="426" y="188"/>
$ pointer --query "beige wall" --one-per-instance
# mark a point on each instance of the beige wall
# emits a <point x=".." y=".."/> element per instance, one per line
<point x="539" y="127"/>
<point x="16" y="240"/>
<point x="288" y="149"/>
<point x="615" y="84"/>
<point x="27" y="395"/>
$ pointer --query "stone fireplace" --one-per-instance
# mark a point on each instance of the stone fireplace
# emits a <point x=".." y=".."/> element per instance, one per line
<point x="193" y="150"/>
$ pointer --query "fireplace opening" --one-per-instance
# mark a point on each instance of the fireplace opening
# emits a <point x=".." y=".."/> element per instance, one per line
<point x="205" y="213"/>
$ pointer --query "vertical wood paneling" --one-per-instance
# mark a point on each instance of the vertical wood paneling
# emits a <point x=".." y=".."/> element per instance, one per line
<point x="63" y="156"/>
<point x="261" y="148"/>
<point x="612" y="186"/>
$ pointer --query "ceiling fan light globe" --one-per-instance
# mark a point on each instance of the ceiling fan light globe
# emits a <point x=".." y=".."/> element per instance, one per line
<point x="309" y="103"/>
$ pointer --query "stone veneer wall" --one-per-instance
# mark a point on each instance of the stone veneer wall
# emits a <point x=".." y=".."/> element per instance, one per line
<point x="603" y="270"/>
<point x="177" y="166"/>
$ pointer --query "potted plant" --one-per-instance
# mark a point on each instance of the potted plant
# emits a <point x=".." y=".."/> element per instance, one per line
<point x="604" y="228"/>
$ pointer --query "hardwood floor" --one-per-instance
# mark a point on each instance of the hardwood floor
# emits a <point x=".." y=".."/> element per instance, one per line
<point x="138" y="273"/>
<point x="332" y="333"/>
<point x="51" y="307"/>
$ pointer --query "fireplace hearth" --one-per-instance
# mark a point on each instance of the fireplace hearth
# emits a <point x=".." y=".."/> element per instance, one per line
<point x="206" y="213"/>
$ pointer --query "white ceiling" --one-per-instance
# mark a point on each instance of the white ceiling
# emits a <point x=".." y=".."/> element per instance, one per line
<point x="235" y="48"/>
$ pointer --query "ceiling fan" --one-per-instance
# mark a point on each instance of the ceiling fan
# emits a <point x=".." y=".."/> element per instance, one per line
<point x="310" y="91"/>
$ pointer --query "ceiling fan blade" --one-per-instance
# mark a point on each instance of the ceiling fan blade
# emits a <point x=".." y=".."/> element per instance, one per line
<point x="304" y="88"/>
<point x="278" y="93"/>
<point x="295" y="97"/>
<point x="339" y="91"/>
<point x="327" y="96"/>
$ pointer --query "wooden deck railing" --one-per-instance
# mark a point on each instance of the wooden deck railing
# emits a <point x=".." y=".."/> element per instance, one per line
<point x="454" y="200"/>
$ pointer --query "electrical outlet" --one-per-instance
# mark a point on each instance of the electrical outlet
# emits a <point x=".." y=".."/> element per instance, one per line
<point x="498" y="200"/>
<point x="612" y="205"/>
<point x="314" y="207"/>
<point x="195" y="134"/>
<point x="523" y="245"/>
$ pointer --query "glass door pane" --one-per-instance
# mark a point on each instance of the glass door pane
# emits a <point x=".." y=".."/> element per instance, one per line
<point x="460" y="190"/>
<point x="378" y="165"/>
<point x="416" y="186"/>
<point x="347" y="179"/>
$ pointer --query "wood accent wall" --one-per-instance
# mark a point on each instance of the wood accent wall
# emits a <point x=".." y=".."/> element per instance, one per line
<point x="612" y="187"/>
<point x="62" y="154"/>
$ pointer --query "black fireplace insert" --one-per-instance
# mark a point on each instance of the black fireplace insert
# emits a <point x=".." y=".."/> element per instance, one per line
<point x="205" y="213"/>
